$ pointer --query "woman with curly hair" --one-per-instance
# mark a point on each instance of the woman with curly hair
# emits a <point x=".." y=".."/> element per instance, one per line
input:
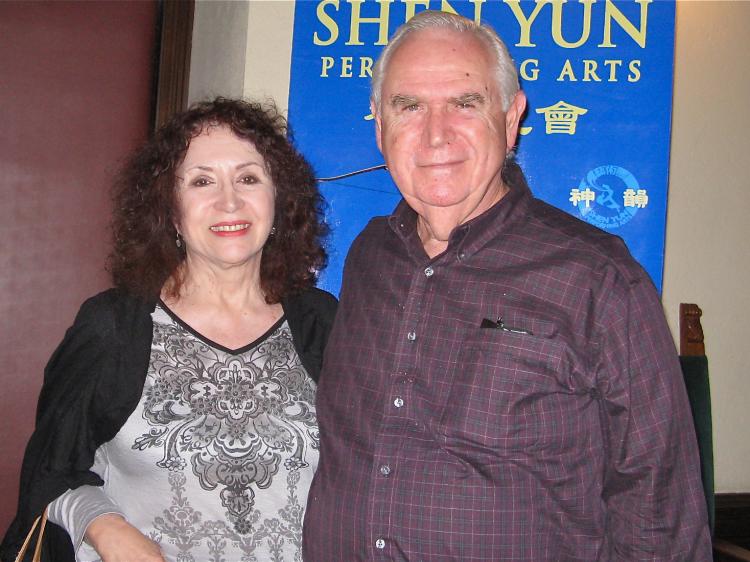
<point x="177" y="417"/>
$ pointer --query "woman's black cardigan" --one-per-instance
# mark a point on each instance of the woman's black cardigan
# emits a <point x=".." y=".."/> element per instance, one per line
<point x="92" y="384"/>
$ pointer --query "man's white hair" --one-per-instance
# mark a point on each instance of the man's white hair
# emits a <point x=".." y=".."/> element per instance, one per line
<point x="505" y="71"/>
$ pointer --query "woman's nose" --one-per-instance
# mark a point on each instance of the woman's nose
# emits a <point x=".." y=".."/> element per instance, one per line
<point x="229" y="200"/>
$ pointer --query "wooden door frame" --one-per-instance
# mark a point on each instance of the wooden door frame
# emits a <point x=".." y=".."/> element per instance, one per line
<point x="172" y="71"/>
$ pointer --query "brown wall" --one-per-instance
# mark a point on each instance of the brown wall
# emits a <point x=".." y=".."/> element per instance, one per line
<point x="75" y="97"/>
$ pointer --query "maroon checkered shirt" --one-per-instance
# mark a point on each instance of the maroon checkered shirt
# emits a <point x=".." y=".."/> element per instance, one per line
<point x="516" y="398"/>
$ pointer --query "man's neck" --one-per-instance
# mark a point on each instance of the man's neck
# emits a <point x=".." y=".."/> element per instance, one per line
<point x="434" y="241"/>
<point x="435" y="224"/>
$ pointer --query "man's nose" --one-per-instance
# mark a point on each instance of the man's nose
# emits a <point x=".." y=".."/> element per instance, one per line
<point x="438" y="129"/>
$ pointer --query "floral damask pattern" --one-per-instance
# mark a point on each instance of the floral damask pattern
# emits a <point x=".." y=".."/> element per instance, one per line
<point x="232" y="421"/>
<point x="184" y="527"/>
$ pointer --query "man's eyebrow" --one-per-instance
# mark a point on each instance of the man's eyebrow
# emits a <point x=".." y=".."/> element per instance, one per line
<point x="469" y="97"/>
<point x="403" y="100"/>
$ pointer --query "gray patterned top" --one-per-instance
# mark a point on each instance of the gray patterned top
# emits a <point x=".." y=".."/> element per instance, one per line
<point x="216" y="461"/>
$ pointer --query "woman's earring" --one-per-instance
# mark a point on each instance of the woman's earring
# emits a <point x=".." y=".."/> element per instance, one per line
<point x="178" y="241"/>
<point x="273" y="232"/>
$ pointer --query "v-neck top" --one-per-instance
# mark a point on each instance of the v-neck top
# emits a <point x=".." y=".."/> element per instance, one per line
<point x="240" y="350"/>
<point x="226" y="440"/>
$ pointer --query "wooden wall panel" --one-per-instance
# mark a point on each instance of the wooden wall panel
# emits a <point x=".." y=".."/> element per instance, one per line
<point x="75" y="97"/>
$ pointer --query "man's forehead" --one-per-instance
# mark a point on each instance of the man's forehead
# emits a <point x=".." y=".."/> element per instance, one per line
<point x="460" y="43"/>
<point x="439" y="77"/>
<point x="439" y="35"/>
<point x="434" y="54"/>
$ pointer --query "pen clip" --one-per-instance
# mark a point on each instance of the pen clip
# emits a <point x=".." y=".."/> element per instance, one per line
<point x="500" y="325"/>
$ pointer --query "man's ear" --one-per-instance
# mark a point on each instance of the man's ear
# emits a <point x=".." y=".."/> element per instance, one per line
<point x="378" y="126"/>
<point x="513" y="119"/>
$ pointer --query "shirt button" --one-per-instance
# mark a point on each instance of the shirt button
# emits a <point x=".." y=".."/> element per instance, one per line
<point x="380" y="544"/>
<point x="385" y="470"/>
<point x="411" y="336"/>
<point x="428" y="271"/>
<point x="398" y="402"/>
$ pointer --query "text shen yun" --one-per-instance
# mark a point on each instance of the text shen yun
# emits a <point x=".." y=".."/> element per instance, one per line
<point x="339" y="21"/>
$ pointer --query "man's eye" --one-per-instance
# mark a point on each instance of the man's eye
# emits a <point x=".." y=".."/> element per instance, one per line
<point x="411" y="107"/>
<point x="465" y="105"/>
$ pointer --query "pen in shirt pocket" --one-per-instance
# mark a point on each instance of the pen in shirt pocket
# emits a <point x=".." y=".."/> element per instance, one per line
<point x="500" y="325"/>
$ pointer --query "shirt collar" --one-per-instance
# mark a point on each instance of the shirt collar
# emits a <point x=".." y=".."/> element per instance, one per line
<point x="469" y="237"/>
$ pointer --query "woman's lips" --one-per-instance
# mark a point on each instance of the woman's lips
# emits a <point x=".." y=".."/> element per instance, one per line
<point x="230" y="228"/>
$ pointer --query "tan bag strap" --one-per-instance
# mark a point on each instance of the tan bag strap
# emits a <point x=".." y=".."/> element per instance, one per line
<point x="38" y="550"/>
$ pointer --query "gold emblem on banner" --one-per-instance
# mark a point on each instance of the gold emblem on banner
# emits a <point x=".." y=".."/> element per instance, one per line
<point x="561" y="118"/>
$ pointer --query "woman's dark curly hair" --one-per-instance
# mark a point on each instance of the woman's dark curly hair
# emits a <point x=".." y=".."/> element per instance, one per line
<point x="145" y="257"/>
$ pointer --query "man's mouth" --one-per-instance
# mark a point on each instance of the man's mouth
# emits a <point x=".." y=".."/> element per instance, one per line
<point x="445" y="164"/>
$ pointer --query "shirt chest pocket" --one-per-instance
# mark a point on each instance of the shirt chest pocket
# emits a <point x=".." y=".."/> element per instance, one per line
<point x="502" y="380"/>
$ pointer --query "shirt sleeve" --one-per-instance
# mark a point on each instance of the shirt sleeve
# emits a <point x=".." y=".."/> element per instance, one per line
<point x="74" y="511"/>
<point x="653" y="493"/>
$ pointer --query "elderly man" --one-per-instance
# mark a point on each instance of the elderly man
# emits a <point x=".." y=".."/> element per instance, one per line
<point x="500" y="383"/>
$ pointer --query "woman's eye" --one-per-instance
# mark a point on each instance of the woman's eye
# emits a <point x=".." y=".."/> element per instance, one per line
<point x="248" y="180"/>
<point x="201" y="182"/>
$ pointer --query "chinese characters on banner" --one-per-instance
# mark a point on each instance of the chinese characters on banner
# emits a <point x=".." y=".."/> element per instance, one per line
<point x="595" y="139"/>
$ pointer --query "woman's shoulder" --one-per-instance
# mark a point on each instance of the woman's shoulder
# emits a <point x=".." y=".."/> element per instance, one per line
<point x="312" y="300"/>
<point x="319" y="298"/>
<point x="101" y="354"/>
<point x="115" y="299"/>
<point x="111" y="307"/>
<point x="108" y="320"/>
<point x="310" y="315"/>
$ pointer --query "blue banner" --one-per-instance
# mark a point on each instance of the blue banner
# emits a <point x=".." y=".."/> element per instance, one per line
<point x="595" y="140"/>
